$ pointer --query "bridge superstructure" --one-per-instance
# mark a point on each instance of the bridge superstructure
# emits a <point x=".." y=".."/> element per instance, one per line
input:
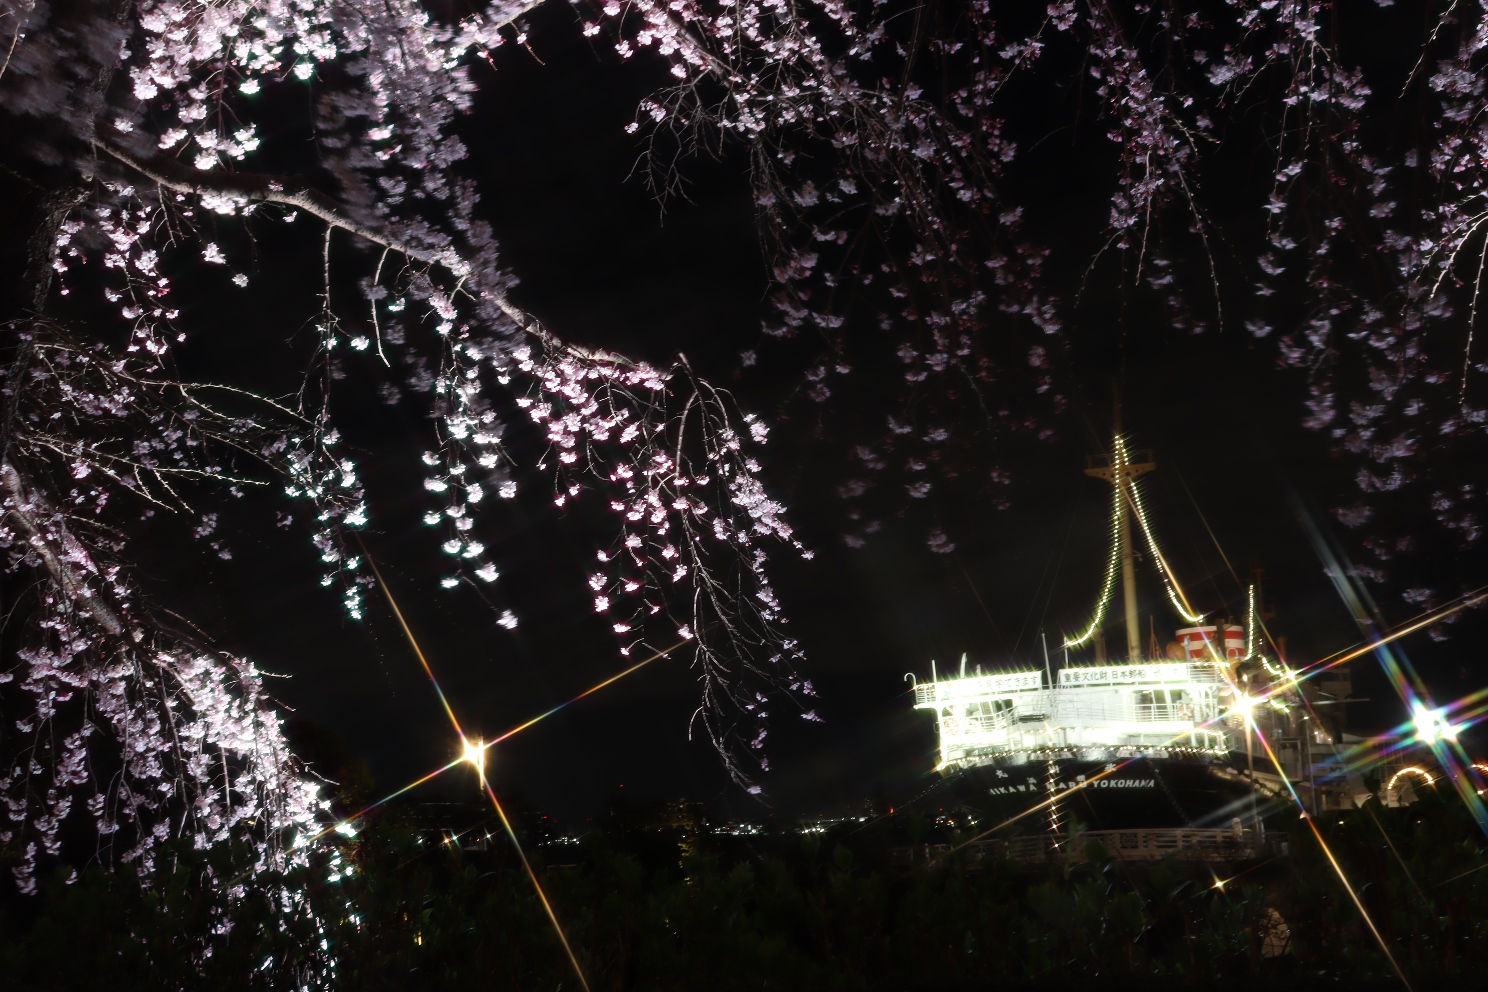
<point x="1093" y="713"/>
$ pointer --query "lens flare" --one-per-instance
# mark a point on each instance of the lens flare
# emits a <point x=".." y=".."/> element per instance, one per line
<point x="486" y="745"/>
<point x="474" y="752"/>
<point x="536" y="885"/>
<point x="1333" y="861"/>
<point x="353" y="818"/>
<point x="413" y="642"/>
<point x="590" y="691"/>
<point x="1431" y="724"/>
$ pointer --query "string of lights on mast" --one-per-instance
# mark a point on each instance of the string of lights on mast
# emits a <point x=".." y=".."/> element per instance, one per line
<point x="1126" y="498"/>
<point x="1118" y="456"/>
<point x="1170" y="583"/>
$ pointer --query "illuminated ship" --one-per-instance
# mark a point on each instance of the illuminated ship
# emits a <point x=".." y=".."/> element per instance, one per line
<point x="1157" y="739"/>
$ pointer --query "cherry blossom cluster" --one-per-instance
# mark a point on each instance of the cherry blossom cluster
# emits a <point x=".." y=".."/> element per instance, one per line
<point x="1390" y="295"/>
<point x="877" y="161"/>
<point x="694" y="517"/>
<point x="150" y="737"/>
<point x="119" y="719"/>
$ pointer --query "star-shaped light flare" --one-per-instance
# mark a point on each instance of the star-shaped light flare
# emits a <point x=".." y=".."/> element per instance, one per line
<point x="474" y="752"/>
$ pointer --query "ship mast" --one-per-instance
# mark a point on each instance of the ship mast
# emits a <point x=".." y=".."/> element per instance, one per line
<point x="1120" y="469"/>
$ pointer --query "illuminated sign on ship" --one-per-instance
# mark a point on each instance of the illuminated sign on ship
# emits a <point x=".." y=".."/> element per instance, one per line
<point x="1123" y="674"/>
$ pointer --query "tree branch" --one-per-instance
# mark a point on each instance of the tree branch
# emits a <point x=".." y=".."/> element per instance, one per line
<point x="59" y="563"/>
<point x="295" y="191"/>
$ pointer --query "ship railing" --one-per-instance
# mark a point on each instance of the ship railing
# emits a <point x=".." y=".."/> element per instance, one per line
<point x="1071" y="713"/>
<point x="1152" y="844"/>
<point x="989" y="724"/>
<point x="1168" y="713"/>
<point x="1206" y="672"/>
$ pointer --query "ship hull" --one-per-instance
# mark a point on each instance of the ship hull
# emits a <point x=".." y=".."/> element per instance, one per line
<point x="1137" y="793"/>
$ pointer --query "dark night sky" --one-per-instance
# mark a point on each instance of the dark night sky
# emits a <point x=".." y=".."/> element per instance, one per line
<point x="600" y="265"/>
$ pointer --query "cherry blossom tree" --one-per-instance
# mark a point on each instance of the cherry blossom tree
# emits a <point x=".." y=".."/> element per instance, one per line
<point x="137" y="119"/>
<point x="882" y="148"/>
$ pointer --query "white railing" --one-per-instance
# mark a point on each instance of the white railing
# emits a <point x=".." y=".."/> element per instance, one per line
<point x="1085" y="712"/>
<point x="1167" y="712"/>
<point x="988" y="724"/>
<point x="1205" y="673"/>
